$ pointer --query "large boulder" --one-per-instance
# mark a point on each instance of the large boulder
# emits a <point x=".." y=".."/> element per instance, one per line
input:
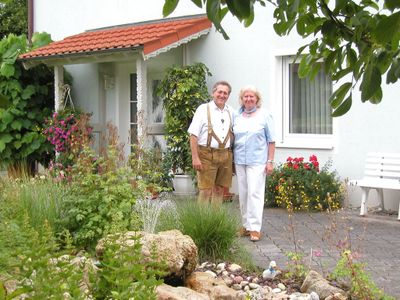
<point x="314" y="282"/>
<point x="176" y="250"/>
<point x="167" y="292"/>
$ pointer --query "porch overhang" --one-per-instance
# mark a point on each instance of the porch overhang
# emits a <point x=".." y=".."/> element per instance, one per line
<point x="147" y="39"/>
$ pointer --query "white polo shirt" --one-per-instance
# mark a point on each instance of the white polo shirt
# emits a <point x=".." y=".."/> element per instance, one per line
<point x="219" y="119"/>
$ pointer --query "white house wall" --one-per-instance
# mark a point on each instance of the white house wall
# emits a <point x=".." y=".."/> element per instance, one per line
<point x="249" y="57"/>
<point x="63" y="18"/>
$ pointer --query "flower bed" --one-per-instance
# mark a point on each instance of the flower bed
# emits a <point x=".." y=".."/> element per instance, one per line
<point x="302" y="185"/>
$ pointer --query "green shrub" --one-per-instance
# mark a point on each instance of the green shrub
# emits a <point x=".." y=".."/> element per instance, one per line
<point x="123" y="273"/>
<point x="100" y="199"/>
<point x="299" y="185"/>
<point x="349" y="270"/>
<point x="182" y="89"/>
<point x="147" y="164"/>
<point x="31" y="257"/>
<point x="34" y="201"/>
<point x="213" y="229"/>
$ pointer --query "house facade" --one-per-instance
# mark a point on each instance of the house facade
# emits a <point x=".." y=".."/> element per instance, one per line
<point x="117" y="84"/>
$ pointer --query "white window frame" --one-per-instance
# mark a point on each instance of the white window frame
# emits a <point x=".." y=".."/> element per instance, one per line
<point x="284" y="138"/>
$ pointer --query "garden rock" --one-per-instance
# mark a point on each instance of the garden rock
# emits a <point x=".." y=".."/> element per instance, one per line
<point x="215" y="288"/>
<point x="167" y="292"/>
<point x="176" y="250"/>
<point x="336" y="296"/>
<point x="314" y="282"/>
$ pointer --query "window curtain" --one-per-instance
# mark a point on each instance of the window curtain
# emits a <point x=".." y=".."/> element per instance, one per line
<point x="309" y="108"/>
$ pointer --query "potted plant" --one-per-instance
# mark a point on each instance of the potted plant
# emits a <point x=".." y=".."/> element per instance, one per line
<point x="183" y="89"/>
<point x="147" y="165"/>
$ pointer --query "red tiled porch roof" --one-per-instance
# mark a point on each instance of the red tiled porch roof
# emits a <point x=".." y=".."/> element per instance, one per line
<point x="153" y="37"/>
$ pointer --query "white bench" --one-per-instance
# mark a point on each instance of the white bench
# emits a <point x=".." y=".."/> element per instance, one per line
<point x="382" y="171"/>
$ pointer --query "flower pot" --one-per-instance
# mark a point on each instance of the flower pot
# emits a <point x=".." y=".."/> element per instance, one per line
<point x="183" y="185"/>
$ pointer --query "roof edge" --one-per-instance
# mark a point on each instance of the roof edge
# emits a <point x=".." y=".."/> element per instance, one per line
<point x="156" y="21"/>
<point x="176" y="44"/>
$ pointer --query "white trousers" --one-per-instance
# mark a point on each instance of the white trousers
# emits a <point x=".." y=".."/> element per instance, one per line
<point x="251" y="185"/>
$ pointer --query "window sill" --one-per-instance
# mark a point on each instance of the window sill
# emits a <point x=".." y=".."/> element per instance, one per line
<point x="307" y="142"/>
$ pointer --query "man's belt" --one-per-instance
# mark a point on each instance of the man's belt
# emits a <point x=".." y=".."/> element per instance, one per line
<point x="215" y="149"/>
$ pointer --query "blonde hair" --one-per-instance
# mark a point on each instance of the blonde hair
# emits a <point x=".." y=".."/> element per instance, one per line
<point x="253" y="89"/>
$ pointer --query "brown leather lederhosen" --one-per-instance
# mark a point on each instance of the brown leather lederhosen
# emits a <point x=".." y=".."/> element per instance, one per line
<point x="218" y="160"/>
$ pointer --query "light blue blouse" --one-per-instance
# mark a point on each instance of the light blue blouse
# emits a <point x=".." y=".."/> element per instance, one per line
<point x="252" y="136"/>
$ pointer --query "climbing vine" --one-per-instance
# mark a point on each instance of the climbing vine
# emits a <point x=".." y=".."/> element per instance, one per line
<point x="26" y="99"/>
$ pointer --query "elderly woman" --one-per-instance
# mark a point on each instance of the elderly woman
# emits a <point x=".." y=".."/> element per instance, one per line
<point x="254" y="150"/>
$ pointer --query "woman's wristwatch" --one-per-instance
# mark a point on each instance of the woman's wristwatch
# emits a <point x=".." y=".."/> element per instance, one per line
<point x="270" y="161"/>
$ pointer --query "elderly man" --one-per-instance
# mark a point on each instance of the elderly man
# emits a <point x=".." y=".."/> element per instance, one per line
<point x="210" y="142"/>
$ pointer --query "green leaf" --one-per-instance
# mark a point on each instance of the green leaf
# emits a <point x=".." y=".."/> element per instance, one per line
<point x="377" y="97"/>
<point x="198" y="3"/>
<point x="387" y="27"/>
<point x="314" y="70"/>
<point x="169" y="7"/>
<point x="28" y="137"/>
<point x="11" y="54"/>
<point x="339" y="5"/>
<point x="28" y="92"/>
<point x="337" y="97"/>
<point x="391" y="74"/>
<point x="7" y="117"/>
<point x="329" y="61"/>
<point x="212" y="8"/>
<point x="392" y="4"/>
<point x="383" y="61"/>
<point x="4" y="139"/>
<point x="248" y="21"/>
<point x="343" y="108"/>
<point x="341" y="73"/>
<point x="351" y="56"/>
<point x="16" y="125"/>
<point x="370" y="83"/>
<point x="305" y="65"/>
<point x="17" y="144"/>
<point x="26" y="123"/>
<point x="4" y="101"/>
<point x="7" y="70"/>
<point x="40" y="39"/>
<point x="243" y="7"/>
<point x="215" y="14"/>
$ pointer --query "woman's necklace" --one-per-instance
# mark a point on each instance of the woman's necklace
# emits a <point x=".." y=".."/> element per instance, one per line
<point x="250" y="111"/>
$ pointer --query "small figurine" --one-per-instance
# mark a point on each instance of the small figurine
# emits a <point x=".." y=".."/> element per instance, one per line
<point x="271" y="272"/>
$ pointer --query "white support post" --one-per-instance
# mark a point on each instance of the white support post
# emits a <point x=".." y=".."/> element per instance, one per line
<point x="380" y="197"/>
<point x="364" y="199"/>
<point x="58" y="87"/>
<point x="141" y="70"/>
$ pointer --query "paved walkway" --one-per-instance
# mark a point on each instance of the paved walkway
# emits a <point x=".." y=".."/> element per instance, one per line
<point x="375" y="238"/>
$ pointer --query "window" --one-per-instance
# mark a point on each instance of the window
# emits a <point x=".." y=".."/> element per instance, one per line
<point x="306" y="119"/>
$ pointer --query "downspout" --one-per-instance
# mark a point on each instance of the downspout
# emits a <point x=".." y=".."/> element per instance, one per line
<point x="30" y="20"/>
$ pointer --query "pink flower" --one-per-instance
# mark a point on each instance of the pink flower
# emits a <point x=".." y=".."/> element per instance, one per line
<point x="317" y="253"/>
